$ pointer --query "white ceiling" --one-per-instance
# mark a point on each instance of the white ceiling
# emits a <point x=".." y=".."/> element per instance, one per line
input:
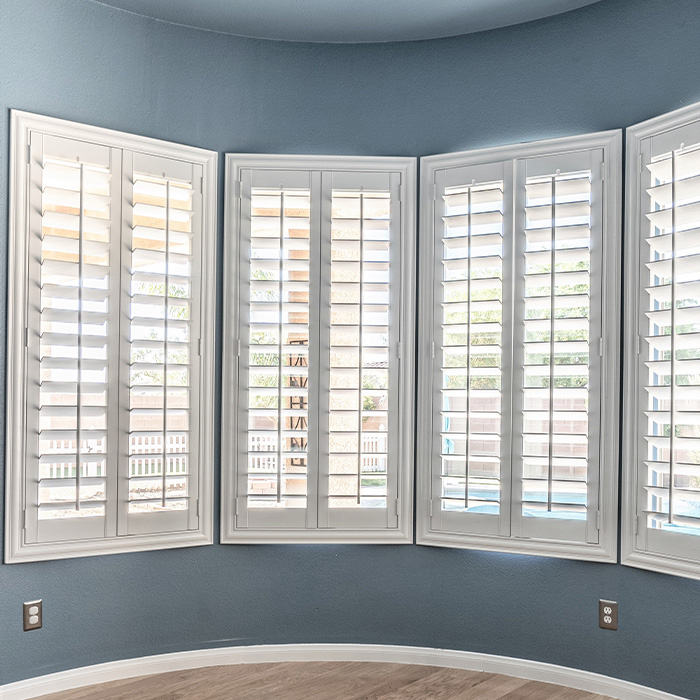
<point x="347" y="21"/>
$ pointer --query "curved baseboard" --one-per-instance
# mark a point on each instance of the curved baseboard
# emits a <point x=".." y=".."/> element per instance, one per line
<point x="425" y="656"/>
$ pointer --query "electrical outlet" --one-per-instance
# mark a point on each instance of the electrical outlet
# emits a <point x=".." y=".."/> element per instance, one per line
<point x="607" y="614"/>
<point x="32" y="615"/>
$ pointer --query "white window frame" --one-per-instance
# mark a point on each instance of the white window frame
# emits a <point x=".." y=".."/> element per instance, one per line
<point x="606" y="548"/>
<point x="406" y="168"/>
<point x="16" y="549"/>
<point x="634" y="552"/>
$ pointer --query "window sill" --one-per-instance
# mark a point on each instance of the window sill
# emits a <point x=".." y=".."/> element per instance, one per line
<point x="315" y="537"/>
<point x="16" y="554"/>
<point x="673" y="566"/>
<point x="542" y="548"/>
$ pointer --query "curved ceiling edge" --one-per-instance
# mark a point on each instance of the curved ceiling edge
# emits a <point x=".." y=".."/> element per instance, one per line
<point x="346" y="21"/>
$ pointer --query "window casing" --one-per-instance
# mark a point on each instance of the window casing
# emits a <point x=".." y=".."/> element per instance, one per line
<point x="318" y="349"/>
<point x="520" y="250"/>
<point x="661" y="479"/>
<point x="110" y="342"/>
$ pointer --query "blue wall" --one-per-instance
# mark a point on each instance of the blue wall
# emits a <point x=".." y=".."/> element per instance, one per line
<point x="605" y="66"/>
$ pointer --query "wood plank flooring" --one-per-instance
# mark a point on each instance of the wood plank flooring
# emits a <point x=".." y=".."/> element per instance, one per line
<point x="325" y="681"/>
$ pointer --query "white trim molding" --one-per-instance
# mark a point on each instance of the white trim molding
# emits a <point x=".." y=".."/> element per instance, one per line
<point x="380" y="653"/>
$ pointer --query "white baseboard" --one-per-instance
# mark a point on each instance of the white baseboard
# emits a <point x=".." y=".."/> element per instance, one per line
<point x="424" y="656"/>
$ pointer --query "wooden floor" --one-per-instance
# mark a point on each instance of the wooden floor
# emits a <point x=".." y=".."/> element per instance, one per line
<point x="325" y="681"/>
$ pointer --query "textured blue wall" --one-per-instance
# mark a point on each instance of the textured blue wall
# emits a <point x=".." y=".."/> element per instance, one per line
<point x="606" y="66"/>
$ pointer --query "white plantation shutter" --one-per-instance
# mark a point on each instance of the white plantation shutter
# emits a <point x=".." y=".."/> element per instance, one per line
<point x="105" y="408"/>
<point x="512" y="345"/>
<point x="663" y="456"/>
<point x="72" y="329"/>
<point x="278" y="279"/>
<point x="471" y="373"/>
<point x="161" y="311"/>
<point x="323" y="408"/>
<point x="557" y="336"/>
<point x="360" y="385"/>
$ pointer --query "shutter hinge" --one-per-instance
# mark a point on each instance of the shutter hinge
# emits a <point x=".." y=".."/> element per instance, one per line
<point x="199" y="347"/>
<point x="24" y="520"/>
<point x="602" y="171"/>
<point x="398" y="507"/>
<point x="600" y="347"/>
<point x="398" y="350"/>
<point x="201" y="184"/>
<point x="639" y="344"/>
<point x="237" y="189"/>
<point x="432" y="350"/>
<point x="641" y="163"/>
<point x="598" y="520"/>
<point x="197" y="507"/>
<point x="636" y="525"/>
<point x="431" y="507"/>
<point x="26" y="337"/>
<point x="29" y="153"/>
<point x="435" y="192"/>
<point x="238" y="347"/>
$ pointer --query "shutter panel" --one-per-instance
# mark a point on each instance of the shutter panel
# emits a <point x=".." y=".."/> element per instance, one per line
<point x="360" y="393"/>
<point x="321" y="391"/>
<point x="669" y="328"/>
<point x="279" y="349"/>
<point x="73" y="338"/>
<point x="160" y="358"/>
<point x="471" y="330"/>
<point x="558" y="311"/>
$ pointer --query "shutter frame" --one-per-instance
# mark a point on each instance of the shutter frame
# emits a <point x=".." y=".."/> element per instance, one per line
<point x="350" y="168"/>
<point x="26" y="128"/>
<point x="643" y="546"/>
<point x="428" y="531"/>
